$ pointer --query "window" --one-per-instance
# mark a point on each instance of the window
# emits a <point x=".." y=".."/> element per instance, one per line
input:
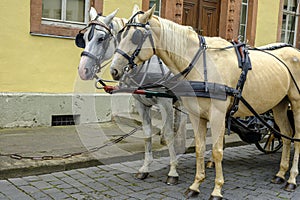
<point x="60" y="18"/>
<point x="289" y="22"/>
<point x="158" y="5"/>
<point x="65" y="12"/>
<point x="243" y="21"/>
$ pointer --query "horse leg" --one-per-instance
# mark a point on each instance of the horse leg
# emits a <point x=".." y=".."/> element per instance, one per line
<point x="167" y="118"/>
<point x="144" y="112"/>
<point x="281" y="119"/>
<point x="180" y="120"/>
<point x="291" y="183"/>
<point x="217" y="123"/>
<point x="200" y="129"/>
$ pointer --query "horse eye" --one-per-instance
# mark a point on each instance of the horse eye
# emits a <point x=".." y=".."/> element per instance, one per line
<point x="101" y="39"/>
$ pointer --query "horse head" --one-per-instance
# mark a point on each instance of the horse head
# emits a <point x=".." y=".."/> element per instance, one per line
<point x="99" y="44"/>
<point x="136" y="44"/>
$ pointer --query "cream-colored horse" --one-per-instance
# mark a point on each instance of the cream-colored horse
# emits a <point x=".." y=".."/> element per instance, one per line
<point x="98" y="50"/>
<point x="269" y="86"/>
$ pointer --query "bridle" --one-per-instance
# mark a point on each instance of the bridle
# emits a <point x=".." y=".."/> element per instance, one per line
<point x="139" y="40"/>
<point x="79" y="41"/>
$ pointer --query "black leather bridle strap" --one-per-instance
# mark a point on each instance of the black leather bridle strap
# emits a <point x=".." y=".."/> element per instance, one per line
<point x="88" y="54"/>
<point x="125" y="55"/>
<point x="96" y="22"/>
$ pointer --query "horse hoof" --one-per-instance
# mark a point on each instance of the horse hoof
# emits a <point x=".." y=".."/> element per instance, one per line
<point x="141" y="175"/>
<point x="290" y="187"/>
<point x="210" y="164"/>
<point x="191" y="193"/>
<point x="277" y="180"/>
<point x="215" y="198"/>
<point x="172" y="180"/>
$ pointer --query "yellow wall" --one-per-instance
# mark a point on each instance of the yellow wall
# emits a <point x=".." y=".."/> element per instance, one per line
<point x="267" y="22"/>
<point x="41" y="64"/>
<point x="125" y="7"/>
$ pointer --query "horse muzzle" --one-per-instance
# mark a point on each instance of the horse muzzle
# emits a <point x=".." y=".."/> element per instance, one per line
<point x="88" y="73"/>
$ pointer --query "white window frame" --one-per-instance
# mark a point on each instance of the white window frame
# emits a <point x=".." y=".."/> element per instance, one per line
<point x="159" y="9"/>
<point x="63" y="22"/>
<point x="244" y="26"/>
<point x="286" y="30"/>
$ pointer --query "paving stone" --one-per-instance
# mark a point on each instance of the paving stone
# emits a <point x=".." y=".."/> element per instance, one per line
<point x="56" y="182"/>
<point x="40" y="195"/>
<point x="32" y="178"/>
<point x="29" y="189"/>
<point x="63" y="186"/>
<point x="2" y="196"/>
<point x="18" y="181"/>
<point x="41" y="185"/>
<point x="85" y="189"/>
<point x="48" y="177"/>
<point x="78" y="196"/>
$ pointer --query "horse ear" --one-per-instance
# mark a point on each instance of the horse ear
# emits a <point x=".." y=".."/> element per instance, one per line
<point x="135" y="9"/>
<point x="148" y="14"/>
<point x="93" y="13"/>
<point x="110" y="17"/>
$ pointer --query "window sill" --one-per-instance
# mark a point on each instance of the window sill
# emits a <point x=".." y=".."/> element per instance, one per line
<point x="58" y="23"/>
<point x="52" y="36"/>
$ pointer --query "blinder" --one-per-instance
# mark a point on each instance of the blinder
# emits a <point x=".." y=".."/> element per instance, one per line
<point x="79" y="41"/>
<point x="137" y="37"/>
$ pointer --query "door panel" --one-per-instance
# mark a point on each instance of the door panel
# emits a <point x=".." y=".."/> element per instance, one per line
<point x="190" y="15"/>
<point x="202" y="15"/>
<point x="209" y="17"/>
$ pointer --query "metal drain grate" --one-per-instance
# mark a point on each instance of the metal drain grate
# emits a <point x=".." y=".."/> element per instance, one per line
<point x="65" y="120"/>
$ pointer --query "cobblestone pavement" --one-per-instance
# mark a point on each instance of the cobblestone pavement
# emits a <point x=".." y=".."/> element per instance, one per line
<point x="247" y="175"/>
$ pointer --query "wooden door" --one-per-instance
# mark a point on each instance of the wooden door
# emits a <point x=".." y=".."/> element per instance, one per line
<point x="202" y="15"/>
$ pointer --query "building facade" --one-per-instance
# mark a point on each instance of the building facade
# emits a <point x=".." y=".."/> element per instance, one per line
<point x="38" y="72"/>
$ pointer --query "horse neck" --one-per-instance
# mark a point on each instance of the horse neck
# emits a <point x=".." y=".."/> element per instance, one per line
<point x="176" y="44"/>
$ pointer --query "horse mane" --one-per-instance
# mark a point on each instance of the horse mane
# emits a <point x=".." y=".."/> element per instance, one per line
<point x="174" y="38"/>
<point x="120" y="22"/>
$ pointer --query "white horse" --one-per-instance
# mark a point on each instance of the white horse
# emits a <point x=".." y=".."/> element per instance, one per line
<point x="98" y="48"/>
<point x="269" y="85"/>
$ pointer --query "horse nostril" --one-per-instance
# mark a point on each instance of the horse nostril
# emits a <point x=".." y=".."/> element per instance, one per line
<point x="115" y="72"/>
<point x="86" y="71"/>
